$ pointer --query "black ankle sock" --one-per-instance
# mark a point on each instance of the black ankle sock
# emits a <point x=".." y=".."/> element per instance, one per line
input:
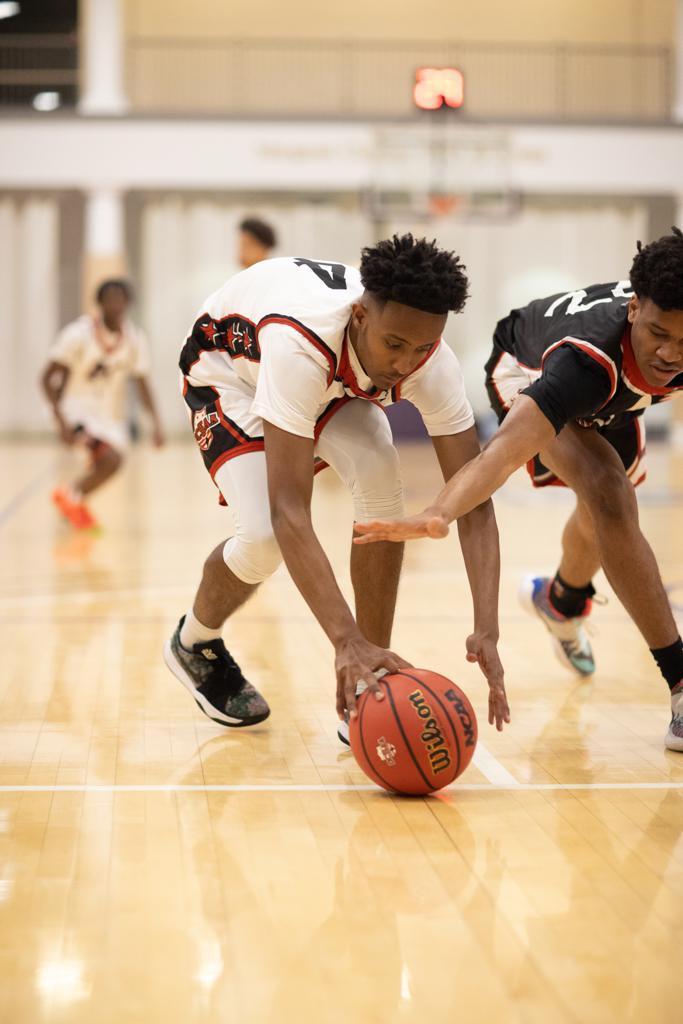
<point x="670" y="662"/>
<point x="569" y="601"/>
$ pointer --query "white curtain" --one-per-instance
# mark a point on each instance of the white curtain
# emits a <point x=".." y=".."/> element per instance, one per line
<point x="29" y="305"/>
<point x="188" y="248"/>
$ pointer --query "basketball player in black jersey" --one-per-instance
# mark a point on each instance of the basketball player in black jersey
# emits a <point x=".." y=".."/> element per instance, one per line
<point x="569" y="378"/>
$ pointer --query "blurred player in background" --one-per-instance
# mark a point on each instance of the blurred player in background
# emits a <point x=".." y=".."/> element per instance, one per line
<point x="85" y="382"/>
<point x="569" y="378"/>
<point x="290" y="361"/>
<point x="256" y="241"/>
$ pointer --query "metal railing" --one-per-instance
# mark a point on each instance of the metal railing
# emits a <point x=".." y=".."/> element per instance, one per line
<point x="264" y="77"/>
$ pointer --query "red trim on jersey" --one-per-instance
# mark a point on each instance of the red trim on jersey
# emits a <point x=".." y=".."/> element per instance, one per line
<point x="252" y="446"/>
<point x="346" y="376"/>
<point x="600" y="358"/>
<point x="334" y="407"/>
<point x="232" y="428"/>
<point x="506" y="407"/>
<point x="305" y="332"/>
<point x="552" y="481"/>
<point x="631" y="372"/>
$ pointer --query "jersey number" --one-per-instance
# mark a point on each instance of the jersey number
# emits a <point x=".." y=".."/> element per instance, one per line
<point x="622" y="290"/>
<point x="331" y="274"/>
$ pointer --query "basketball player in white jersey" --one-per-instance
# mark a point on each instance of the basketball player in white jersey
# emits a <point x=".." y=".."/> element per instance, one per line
<point x="287" y="368"/>
<point x="85" y="383"/>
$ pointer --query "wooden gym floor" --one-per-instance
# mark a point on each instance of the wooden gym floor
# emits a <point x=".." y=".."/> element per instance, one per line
<point x="155" y="867"/>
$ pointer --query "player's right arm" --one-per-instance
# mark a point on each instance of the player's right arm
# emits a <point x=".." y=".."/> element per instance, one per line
<point x="289" y="459"/>
<point x="572" y="385"/>
<point x="524" y="432"/>
<point x="54" y="379"/>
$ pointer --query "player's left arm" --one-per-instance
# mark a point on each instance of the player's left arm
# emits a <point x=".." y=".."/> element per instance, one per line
<point x="147" y="399"/>
<point x="478" y="534"/>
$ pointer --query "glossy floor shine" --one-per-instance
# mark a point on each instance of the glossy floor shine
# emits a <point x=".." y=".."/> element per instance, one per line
<point x="155" y="867"/>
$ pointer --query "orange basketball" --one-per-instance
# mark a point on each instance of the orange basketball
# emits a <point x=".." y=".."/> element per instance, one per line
<point x="419" y="738"/>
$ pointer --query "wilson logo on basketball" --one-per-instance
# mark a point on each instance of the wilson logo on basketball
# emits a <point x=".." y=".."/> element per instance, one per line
<point x="202" y="421"/>
<point x="464" y="716"/>
<point x="431" y="735"/>
<point x="386" y="751"/>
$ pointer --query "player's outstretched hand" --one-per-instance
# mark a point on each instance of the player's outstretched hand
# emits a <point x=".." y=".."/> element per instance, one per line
<point x="483" y="651"/>
<point x="357" y="661"/>
<point x="424" y="524"/>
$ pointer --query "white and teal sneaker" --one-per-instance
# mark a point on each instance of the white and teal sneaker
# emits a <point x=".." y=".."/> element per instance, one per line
<point x="570" y="639"/>
<point x="674" y="737"/>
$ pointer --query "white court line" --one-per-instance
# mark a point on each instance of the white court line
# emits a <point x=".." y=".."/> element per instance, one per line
<point x="25" y="492"/>
<point x="491" y="768"/>
<point x="336" y="788"/>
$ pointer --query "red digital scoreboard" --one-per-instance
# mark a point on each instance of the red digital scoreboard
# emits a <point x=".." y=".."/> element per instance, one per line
<point x="439" y="87"/>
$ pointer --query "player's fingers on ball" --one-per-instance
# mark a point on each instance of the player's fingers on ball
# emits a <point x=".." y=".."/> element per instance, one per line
<point x="350" y="702"/>
<point x="374" y="687"/>
<point x="341" y="703"/>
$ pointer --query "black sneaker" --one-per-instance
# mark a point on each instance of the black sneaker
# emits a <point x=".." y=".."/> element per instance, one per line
<point x="215" y="681"/>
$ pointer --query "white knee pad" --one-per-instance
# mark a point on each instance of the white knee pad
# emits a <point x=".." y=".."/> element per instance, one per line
<point x="252" y="558"/>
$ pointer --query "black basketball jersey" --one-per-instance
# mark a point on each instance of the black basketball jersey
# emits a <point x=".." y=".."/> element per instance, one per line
<point x="574" y="351"/>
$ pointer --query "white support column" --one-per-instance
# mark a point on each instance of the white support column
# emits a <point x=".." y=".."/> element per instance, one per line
<point x="102" y="58"/>
<point x="678" y="66"/>
<point x="104" y="240"/>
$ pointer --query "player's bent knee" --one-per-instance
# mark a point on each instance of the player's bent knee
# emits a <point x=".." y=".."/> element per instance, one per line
<point x="252" y="557"/>
<point x="610" y="495"/>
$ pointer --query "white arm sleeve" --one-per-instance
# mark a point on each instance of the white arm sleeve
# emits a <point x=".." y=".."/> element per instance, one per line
<point x="292" y="381"/>
<point x="437" y="390"/>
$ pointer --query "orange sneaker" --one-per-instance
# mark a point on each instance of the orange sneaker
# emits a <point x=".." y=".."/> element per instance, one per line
<point x="77" y="512"/>
<point x="82" y="518"/>
<point x="61" y="499"/>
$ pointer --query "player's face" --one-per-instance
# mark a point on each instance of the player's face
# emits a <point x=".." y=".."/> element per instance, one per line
<point x="250" y="250"/>
<point x="657" y="340"/>
<point x="114" y="305"/>
<point x="392" y="339"/>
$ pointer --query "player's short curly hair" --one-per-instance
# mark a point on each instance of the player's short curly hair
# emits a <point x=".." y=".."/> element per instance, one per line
<point x="416" y="273"/>
<point x="657" y="271"/>
<point x="114" y="282"/>
<point x="260" y="230"/>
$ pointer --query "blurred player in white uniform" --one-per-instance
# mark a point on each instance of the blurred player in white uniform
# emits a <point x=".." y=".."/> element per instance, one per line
<point x="287" y="369"/>
<point x="255" y="241"/>
<point x="85" y="382"/>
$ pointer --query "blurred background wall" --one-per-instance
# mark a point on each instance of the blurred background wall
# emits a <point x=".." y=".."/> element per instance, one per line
<point x="136" y="134"/>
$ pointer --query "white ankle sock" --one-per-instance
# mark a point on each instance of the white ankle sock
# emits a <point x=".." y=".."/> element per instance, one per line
<point x="195" y="632"/>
